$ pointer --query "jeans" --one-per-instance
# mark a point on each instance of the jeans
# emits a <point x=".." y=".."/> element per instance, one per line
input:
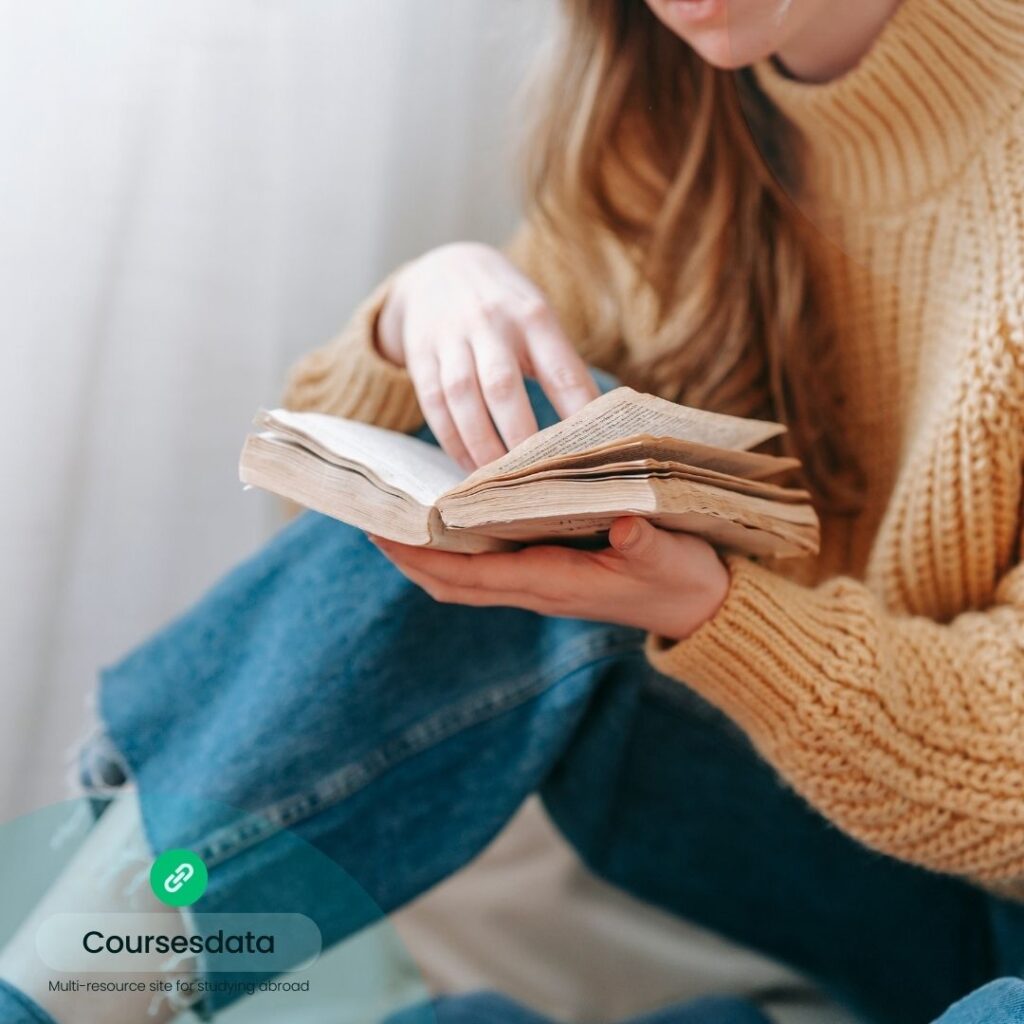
<point x="487" y="1008"/>
<point x="999" y="1002"/>
<point x="316" y="695"/>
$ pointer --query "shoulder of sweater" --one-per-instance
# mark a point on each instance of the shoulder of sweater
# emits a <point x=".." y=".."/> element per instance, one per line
<point x="942" y="85"/>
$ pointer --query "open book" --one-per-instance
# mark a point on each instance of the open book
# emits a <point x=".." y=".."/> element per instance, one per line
<point x="623" y="454"/>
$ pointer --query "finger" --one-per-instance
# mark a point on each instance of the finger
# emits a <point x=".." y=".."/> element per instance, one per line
<point x="404" y="558"/>
<point x="449" y="593"/>
<point x="423" y="370"/>
<point x="561" y="371"/>
<point x="540" y="570"/>
<point x="642" y="545"/>
<point x="501" y="380"/>
<point x="448" y="567"/>
<point x="465" y="402"/>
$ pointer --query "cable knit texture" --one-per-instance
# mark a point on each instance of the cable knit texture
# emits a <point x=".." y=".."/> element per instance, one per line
<point x="885" y="681"/>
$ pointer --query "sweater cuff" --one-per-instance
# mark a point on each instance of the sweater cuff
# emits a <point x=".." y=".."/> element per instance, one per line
<point x="348" y="377"/>
<point x="765" y="655"/>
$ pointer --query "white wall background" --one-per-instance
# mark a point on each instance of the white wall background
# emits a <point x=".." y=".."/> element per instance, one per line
<point x="192" y="193"/>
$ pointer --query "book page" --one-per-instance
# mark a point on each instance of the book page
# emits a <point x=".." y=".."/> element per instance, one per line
<point x="407" y="464"/>
<point x="594" y="527"/>
<point x="637" y="468"/>
<point x="349" y="493"/>
<point x="556" y="510"/>
<point x="624" y="413"/>
<point x="562" y="497"/>
<point x="294" y="472"/>
<point x="739" y="464"/>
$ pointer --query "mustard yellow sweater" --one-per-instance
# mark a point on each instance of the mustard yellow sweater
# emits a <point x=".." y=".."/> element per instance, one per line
<point x="886" y="681"/>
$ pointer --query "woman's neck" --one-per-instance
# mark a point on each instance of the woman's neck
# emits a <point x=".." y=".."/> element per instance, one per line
<point x="833" y="41"/>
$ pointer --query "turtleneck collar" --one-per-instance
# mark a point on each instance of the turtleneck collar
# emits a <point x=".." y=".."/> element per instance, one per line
<point x="905" y="120"/>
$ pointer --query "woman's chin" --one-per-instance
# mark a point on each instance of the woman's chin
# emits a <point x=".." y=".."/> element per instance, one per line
<point x="727" y="36"/>
<point x="721" y="48"/>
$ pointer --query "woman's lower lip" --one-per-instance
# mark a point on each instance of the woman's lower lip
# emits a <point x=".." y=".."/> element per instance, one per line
<point x="694" y="11"/>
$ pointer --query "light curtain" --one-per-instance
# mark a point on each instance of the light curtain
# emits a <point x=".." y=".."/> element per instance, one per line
<point x="192" y="193"/>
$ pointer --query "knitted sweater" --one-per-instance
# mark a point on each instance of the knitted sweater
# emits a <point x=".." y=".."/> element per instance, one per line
<point x="885" y="682"/>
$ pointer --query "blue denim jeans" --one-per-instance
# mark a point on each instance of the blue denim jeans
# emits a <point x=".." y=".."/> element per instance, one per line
<point x="488" y="1008"/>
<point x="999" y="1002"/>
<point x="316" y="695"/>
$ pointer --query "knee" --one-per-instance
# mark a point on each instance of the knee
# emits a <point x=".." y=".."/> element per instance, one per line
<point x="999" y="1002"/>
<point x="490" y="1008"/>
<point x="475" y="1008"/>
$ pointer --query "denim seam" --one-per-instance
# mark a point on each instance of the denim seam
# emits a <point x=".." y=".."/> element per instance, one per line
<point x="257" y="826"/>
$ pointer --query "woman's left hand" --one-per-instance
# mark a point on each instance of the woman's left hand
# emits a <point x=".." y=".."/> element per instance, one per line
<point x="666" y="583"/>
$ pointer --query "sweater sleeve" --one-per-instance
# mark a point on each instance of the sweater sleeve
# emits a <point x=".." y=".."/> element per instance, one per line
<point x="907" y="733"/>
<point x="348" y="377"/>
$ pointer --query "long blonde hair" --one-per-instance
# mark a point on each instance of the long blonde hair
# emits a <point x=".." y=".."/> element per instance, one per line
<point x="685" y="165"/>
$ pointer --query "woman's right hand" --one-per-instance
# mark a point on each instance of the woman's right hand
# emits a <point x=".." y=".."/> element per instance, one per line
<point x="468" y="326"/>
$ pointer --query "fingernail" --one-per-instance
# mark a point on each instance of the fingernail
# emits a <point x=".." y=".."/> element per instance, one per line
<point x="631" y="537"/>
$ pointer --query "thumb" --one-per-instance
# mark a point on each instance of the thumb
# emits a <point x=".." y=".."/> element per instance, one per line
<point x="638" y="540"/>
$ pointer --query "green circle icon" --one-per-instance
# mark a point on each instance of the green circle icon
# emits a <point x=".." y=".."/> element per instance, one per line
<point x="178" y="878"/>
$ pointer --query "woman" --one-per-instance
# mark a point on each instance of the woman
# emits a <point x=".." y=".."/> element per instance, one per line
<point x="833" y="235"/>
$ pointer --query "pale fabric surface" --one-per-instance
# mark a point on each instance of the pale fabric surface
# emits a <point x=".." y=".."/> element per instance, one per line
<point x="191" y="195"/>
<point x="528" y="918"/>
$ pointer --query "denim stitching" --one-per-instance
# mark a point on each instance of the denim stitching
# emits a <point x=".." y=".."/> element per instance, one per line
<point x="230" y="840"/>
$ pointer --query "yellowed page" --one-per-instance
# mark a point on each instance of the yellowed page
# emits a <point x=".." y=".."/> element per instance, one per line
<point x="723" y="533"/>
<point x="559" y="511"/>
<point x="637" y="468"/>
<point x="290" y="469"/>
<point x="749" y="465"/>
<point x="401" y="463"/>
<point x="624" y="414"/>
